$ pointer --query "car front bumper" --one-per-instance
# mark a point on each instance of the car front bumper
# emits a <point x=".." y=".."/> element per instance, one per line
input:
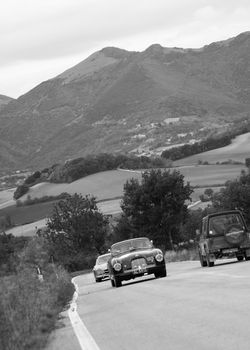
<point x="140" y="271"/>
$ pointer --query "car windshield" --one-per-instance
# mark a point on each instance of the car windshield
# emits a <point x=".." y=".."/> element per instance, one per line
<point x="102" y="259"/>
<point x="219" y="224"/>
<point x="129" y="245"/>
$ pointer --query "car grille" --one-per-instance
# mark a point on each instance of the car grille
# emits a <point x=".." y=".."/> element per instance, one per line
<point x="138" y="262"/>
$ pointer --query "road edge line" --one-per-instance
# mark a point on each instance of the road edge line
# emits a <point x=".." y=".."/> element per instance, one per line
<point x="85" y="339"/>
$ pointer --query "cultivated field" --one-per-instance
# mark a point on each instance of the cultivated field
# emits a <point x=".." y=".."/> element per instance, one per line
<point x="109" y="184"/>
<point x="238" y="150"/>
<point x="103" y="185"/>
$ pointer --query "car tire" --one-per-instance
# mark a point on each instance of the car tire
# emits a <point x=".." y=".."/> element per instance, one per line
<point x="247" y="257"/>
<point x="161" y="273"/>
<point x="117" y="282"/>
<point x="202" y="260"/>
<point x="209" y="263"/>
<point x="240" y="257"/>
<point x="112" y="282"/>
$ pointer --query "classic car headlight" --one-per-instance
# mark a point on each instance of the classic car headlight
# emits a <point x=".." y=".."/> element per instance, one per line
<point x="159" y="257"/>
<point x="99" y="271"/>
<point x="117" y="266"/>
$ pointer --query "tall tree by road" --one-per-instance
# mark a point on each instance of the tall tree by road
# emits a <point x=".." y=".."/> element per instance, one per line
<point x="235" y="195"/>
<point x="76" y="227"/>
<point x="157" y="206"/>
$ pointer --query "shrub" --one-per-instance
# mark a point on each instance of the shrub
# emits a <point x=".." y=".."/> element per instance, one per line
<point x="29" y="307"/>
<point x="20" y="191"/>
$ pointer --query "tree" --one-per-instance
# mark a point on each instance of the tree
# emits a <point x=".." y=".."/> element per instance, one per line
<point x="247" y="162"/>
<point x="5" y="222"/>
<point x="76" y="227"/>
<point x="156" y="207"/>
<point x="20" y="191"/>
<point x="235" y="195"/>
<point x="209" y="192"/>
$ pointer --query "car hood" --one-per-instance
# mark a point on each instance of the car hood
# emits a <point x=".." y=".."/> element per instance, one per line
<point x="136" y="254"/>
<point x="101" y="266"/>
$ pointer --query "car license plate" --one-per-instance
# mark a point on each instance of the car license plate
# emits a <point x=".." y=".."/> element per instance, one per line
<point x="232" y="250"/>
<point x="139" y="266"/>
<point x="139" y="269"/>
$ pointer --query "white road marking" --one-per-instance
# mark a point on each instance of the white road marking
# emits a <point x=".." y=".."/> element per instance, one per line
<point x="85" y="339"/>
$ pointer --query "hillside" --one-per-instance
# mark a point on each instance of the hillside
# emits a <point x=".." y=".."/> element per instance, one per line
<point x="121" y="101"/>
<point x="4" y="100"/>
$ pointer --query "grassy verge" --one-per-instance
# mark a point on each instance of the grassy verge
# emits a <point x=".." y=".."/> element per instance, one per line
<point x="29" y="306"/>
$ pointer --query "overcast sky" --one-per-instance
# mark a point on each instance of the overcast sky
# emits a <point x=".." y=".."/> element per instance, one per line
<point x="42" y="38"/>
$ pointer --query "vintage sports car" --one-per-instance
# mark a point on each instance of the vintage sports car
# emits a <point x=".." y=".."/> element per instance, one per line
<point x="133" y="258"/>
<point x="100" y="269"/>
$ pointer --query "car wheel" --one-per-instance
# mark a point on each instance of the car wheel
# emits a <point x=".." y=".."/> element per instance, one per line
<point x="240" y="257"/>
<point x="209" y="262"/>
<point x="202" y="261"/>
<point x="162" y="273"/>
<point x="112" y="282"/>
<point x="247" y="257"/>
<point x="117" y="282"/>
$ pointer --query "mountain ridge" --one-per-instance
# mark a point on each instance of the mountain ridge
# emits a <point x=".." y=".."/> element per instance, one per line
<point x="113" y="100"/>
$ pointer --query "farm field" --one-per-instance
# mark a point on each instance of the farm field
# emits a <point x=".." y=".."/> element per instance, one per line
<point x="109" y="184"/>
<point x="209" y="175"/>
<point x="238" y="151"/>
<point x="103" y="185"/>
<point x="27" y="214"/>
<point x="27" y="220"/>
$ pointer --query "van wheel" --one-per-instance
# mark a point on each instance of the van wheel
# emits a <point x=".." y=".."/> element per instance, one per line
<point x="202" y="261"/>
<point x="247" y="257"/>
<point x="240" y="257"/>
<point x="209" y="263"/>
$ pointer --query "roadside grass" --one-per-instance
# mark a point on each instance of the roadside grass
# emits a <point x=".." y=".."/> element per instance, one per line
<point x="29" y="307"/>
<point x="181" y="255"/>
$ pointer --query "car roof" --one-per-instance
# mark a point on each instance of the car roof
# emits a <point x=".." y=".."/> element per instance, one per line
<point x="223" y="213"/>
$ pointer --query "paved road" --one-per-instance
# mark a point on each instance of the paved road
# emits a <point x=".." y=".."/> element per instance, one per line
<point x="192" y="308"/>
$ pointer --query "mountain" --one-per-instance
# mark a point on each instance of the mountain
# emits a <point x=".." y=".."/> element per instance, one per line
<point x="121" y="101"/>
<point x="4" y="100"/>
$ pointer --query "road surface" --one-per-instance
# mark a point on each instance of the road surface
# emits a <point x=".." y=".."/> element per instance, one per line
<point x="192" y="308"/>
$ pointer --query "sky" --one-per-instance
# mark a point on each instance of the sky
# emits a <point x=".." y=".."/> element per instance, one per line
<point x="40" y="39"/>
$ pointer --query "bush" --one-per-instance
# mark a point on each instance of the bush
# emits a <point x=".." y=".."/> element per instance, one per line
<point x="20" y="191"/>
<point x="29" y="307"/>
